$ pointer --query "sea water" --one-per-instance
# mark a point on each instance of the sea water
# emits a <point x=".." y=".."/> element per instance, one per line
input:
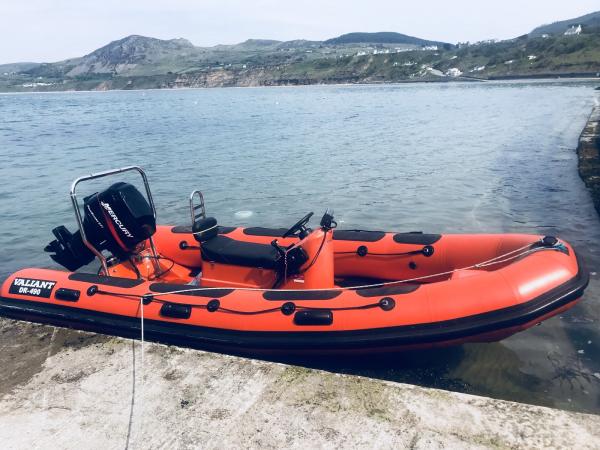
<point x="449" y="158"/>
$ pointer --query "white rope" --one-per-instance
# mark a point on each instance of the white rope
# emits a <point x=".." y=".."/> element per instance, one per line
<point x="141" y="409"/>
<point x="496" y="260"/>
<point x="141" y="386"/>
<point x="486" y="264"/>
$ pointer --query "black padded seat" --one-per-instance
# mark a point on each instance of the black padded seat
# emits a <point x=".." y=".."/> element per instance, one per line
<point x="224" y="250"/>
<point x="187" y="229"/>
<point x="261" y="231"/>
<point x="358" y="235"/>
<point x="416" y="238"/>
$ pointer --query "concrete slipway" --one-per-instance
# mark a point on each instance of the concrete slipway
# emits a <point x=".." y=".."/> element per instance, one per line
<point x="68" y="389"/>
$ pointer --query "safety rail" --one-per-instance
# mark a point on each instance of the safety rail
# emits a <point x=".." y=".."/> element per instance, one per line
<point x="200" y="206"/>
<point x="106" y="173"/>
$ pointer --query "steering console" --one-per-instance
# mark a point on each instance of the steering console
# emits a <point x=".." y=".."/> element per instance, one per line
<point x="299" y="229"/>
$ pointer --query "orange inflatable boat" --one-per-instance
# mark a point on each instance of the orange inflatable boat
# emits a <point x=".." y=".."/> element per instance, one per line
<point x="300" y="289"/>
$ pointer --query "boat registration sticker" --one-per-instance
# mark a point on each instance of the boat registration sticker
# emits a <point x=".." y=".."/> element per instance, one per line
<point x="32" y="286"/>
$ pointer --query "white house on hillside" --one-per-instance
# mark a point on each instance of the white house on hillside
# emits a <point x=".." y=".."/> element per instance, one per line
<point x="453" y="72"/>
<point x="573" y="31"/>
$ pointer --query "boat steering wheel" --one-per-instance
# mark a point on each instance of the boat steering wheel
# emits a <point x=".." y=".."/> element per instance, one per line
<point x="299" y="228"/>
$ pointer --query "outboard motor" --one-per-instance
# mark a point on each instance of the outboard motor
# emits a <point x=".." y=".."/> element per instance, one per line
<point x="116" y="219"/>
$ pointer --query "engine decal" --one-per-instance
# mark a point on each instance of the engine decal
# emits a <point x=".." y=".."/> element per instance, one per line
<point x="31" y="286"/>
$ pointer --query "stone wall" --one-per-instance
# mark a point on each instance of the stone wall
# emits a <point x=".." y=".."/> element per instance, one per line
<point x="588" y="152"/>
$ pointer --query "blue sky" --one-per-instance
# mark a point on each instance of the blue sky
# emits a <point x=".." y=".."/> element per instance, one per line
<point x="51" y="30"/>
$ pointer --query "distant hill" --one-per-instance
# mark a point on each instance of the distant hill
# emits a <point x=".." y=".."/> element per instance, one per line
<point x="128" y="52"/>
<point x="139" y="62"/>
<point x="589" y="20"/>
<point x="258" y="43"/>
<point x="146" y="56"/>
<point x="132" y="47"/>
<point x="379" y="38"/>
<point x="17" y="67"/>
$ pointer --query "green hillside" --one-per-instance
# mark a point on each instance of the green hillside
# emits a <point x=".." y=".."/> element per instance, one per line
<point x="591" y="20"/>
<point x="138" y="62"/>
<point x="381" y="38"/>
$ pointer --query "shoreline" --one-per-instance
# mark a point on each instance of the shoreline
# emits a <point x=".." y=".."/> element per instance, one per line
<point x="459" y="80"/>
<point x="588" y="153"/>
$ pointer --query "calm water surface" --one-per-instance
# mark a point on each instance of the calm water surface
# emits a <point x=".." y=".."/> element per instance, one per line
<point x="494" y="157"/>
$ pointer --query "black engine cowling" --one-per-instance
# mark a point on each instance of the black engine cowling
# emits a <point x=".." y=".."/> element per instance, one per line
<point x="116" y="219"/>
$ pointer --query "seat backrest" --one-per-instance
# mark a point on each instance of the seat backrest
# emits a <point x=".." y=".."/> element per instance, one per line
<point x="205" y="229"/>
